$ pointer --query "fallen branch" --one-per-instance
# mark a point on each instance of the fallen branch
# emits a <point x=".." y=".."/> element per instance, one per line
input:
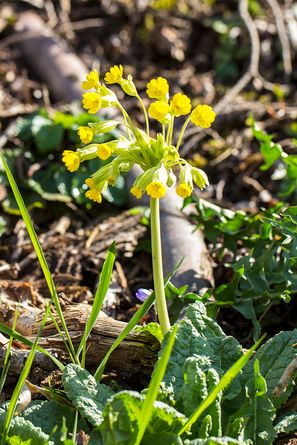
<point x="140" y="347"/>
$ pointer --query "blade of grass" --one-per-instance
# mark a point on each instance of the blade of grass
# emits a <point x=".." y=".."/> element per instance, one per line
<point x="144" y="308"/>
<point x="6" y="363"/>
<point x="152" y="392"/>
<point x="38" y="250"/>
<point x="15" y="335"/>
<point x="24" y="374"/>
<point x="223" y="383"/>
<point x="102" y="288"/>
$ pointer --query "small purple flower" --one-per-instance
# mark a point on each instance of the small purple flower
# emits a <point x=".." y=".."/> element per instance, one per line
<point x="143" y="294"/>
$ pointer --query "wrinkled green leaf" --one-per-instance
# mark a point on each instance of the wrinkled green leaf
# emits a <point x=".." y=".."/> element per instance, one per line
<point x="23" y="429"/>
<point x="88" y="396"/>
<point x="153" y="328"/>
<point x="274" y="356"/>
<point x="200" y="336"/>
<point x="49" y="416"/>
<point x="257" y="411"/>
<point x="121" y="416"/>
<point x="198" y="384"/>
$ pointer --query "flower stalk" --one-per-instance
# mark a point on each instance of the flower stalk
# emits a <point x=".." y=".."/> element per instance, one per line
<point x="160" y="161"/>
<point x="158" y="266"/>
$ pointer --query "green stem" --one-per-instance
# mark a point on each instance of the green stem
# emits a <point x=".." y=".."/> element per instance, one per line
<point x="182" y="132"/>
<point x="145" y="115"/>
<point x="158" y="267"/>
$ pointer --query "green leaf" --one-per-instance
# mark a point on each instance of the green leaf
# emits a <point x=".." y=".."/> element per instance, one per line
<point x="16" y="440"/>
<point x="24" y="127"/>
<point x="65" y="119"/>
<point x="121" y="418"/>
<point x="200" y="336"/>
<point x="227" y="378"/>
<point x="47" y="136"/>
<point x="95" y="437"/>
<point x="198" y="384"/>
<point x="286" y="423"/>
<point x="271" y="152"/>
<point x="274" y="356"/>
<point x="162" y="439"/>
<point x="153" y="328"/>
<point x="23" y="429"/>
<point x="257" y="411"/>
<point x="49" y="416"/>
<point x="87" y="396"/>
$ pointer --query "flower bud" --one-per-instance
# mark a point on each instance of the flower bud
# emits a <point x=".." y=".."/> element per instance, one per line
<point x="128" y="86"/>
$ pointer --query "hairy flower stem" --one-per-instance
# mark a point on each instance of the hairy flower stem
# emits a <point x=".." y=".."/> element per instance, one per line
<point x="158" y="267"/>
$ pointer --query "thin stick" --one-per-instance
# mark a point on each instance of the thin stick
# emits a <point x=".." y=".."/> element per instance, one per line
<point x="282" y="34"/>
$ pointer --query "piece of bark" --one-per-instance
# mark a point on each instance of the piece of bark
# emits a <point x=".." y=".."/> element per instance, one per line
<point x="49" y="57"/>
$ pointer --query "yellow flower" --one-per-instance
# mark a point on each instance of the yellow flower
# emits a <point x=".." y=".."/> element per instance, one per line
<point x="157" y="88"/>
<point x="203" y="116"/>
<point x="94" y="195"/>
<point x="85" y="134"/>
<point x="156" y="189"/>
<point x="180" y="105"/>
<point x="114" y="75"/>
<point x="90" y="183"/>
<point x="92" y="80"/>
<point x="183" y="190"/>
<point x="135" y="191"/>
<point x="103" y="151"/>
<point x="158" y="110"/>
<point x="92" y="102"/>
<point x="71" y="159"/>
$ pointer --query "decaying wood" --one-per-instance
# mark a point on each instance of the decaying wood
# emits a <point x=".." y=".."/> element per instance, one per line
<point x="140" y="348"/>
<point x="135" y="355"/>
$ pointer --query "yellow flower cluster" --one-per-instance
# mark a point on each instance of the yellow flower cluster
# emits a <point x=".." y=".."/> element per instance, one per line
<point x="158" y="157"/>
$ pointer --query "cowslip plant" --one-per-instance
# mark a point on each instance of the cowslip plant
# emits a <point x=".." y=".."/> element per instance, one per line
<point x="157" y="156"/>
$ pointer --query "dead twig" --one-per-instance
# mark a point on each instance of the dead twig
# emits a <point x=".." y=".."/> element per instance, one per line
<point x="285" y="378"/>
<point x="282" y="34"/>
